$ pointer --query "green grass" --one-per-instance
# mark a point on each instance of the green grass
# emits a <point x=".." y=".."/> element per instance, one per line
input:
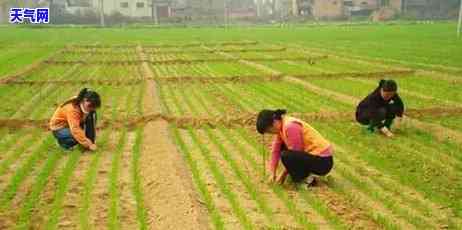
<point x="402" y="43"/>
<point x="16" y="57"/>
<point x="393" y="158"/>
<point x="25" y="169"/>
<point x="137" y="188"/>
<point x="361" y="90"/>
<point x="251" y="97"/>
<point x="216" y="218"/>
<point x="89" y="182"/>
<point x="62" y="188"/>
<point x="33" y="198"/>
<point x="414" y="178"/>
<point x="454" y="122"/>
<point x="92" y="173"/>
<point x="17" y="152"/>
<point x="114" y="193"/>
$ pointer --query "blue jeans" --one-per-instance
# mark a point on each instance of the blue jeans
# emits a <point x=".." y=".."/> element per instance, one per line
<point x="65" y="138"/>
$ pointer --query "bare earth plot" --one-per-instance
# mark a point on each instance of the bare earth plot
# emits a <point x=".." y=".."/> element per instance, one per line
<point x="178" y="149"/>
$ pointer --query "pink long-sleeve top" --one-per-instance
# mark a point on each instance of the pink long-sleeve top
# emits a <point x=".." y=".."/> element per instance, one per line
<point x="294" y="132"/>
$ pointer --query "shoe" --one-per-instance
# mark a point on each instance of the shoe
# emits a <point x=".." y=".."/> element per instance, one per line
<point x="310" y="181"/>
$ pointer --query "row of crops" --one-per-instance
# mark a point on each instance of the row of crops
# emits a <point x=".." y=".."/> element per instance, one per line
<point x="44" y="187"/>
<point x="410" y="182"/>
<point x="375" y="184"/>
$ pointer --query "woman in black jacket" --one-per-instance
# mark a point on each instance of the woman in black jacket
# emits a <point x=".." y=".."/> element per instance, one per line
<point x="379" y="109"/>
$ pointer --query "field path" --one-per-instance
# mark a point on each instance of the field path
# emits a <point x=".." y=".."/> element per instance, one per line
<point x="169" y="194"/>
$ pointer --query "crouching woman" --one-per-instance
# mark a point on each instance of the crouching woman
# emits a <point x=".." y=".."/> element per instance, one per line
<point x="74" y="121"/>
<point x="304" y="152"/>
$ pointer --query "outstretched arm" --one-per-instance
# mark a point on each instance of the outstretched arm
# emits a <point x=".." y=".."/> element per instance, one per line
<point x="275" y="156"/>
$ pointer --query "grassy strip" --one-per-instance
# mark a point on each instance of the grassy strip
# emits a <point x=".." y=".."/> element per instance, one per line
<point x="24" y="170"/>
<point x="217" y="174"/>
<point x="13" y="98"/>
<point x="390" y="186"/>
<point x="165" y="108"/>
<point x="340" y="186"/>
<point x="141" y="212"/>
<point x="217" y="219"/>
<point x="321" y="208"/>
<point x="62" y="187"/>
<point x="239" y="174"/>
<point x="42" y="178"/>
<point x="386" y="186"/>
<point x="176" y="102"/>
<point x="49" y="92"/>
<point x="241" y="102"/>
<point x="275" y="98"/>
<point x="277" y="190"/>
<point x="388" y="200"/>
<point x="392" y="167"/>
<point x="114" y="212"/>
<point x="45" y="106"/>
<point x="31" y="140"/>
<point x="113" y="222"/>
<point x="249" y="186"/>
<point x="13" y="103"/>
<point x="415" y="220"/>
<point x="221" y="181"/>
<point x="344" y="190"/>
<point x="90" y="178"/>
<point x="140" y="99"/>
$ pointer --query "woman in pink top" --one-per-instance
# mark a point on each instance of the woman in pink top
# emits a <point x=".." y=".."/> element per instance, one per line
<point x="302" y="149"/>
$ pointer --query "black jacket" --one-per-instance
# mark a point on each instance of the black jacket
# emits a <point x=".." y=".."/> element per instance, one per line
<point x="374" y="101"/>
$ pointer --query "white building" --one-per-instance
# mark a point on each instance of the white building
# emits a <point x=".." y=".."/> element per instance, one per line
<point x="129" y="8"/>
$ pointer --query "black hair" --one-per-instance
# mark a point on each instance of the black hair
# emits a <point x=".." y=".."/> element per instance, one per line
<point x="388" y="85"/>
<point x="91" y="96"/>
<point x="266" y="117"/>
<point x="86" y="94"/>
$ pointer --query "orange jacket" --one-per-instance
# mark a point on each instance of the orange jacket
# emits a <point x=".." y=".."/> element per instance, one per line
<point x="70" y="116"/>
<point x="314" y="142"/>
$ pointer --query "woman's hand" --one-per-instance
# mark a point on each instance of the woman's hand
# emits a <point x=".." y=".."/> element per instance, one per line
<point x="92" y="147"/>
<point x="385" y="131"/>
<point x="271" y="179"/>
<point x="282" y="178"/>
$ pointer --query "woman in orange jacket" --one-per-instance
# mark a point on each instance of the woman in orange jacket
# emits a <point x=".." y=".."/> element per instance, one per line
<point x="74" y="121"/>
<point x="302" y="149"/>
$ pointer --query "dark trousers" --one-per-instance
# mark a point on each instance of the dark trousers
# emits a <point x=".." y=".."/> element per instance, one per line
<point x="377" y="118"/>
<point x="300" y="165"/>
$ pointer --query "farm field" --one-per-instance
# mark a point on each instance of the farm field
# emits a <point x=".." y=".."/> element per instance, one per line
<point x="177" y="142"/>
